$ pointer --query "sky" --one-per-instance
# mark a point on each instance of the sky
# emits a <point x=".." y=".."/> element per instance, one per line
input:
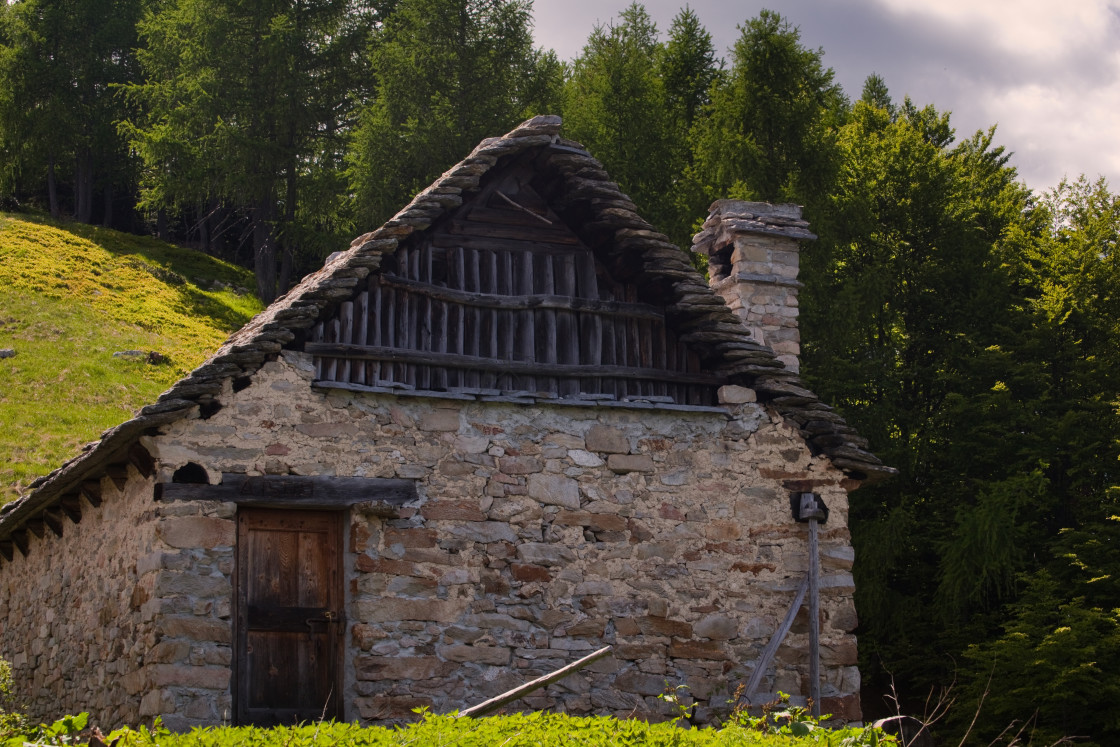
<point x="1046" y="72"/>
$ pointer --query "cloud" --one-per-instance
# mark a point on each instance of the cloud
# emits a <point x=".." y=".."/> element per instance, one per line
<point x="1048" y="75"/>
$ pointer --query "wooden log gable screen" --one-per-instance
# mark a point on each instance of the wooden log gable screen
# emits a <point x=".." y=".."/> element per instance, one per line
<point x="501" y="294"/>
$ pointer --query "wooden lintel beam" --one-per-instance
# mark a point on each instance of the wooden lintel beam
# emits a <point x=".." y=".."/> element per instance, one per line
<point x="377" y="496"/>
<point x="7" y="549"/>
<point x="36" y="526"/>
<point x="118" y="473"/>
<point x="19" y="538"/>
<point x="53" y="520"/>
<point x="139" y="458"/>
<point x="520" y="368"/>
<point x="71" y="505"/>
<point x="91" y="491"/>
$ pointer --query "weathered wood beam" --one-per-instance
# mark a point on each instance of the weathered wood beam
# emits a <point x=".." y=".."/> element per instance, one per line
<point x="53" y="520"/>
<point x="36" y="526"/>
<point x="118" y="473"/>
<point x="71" y="506"/>
<point x="19" y="537"/>
<point x="139" y="458"/>
<point x="378" y="496"/>
<point x="538" y="247"/>
<point x="517" y="693"/>
<point x="91" y="491"/>
<point x="519" y="368"/>
<point x="516" y="303"/>
<point x="7" y="549"/>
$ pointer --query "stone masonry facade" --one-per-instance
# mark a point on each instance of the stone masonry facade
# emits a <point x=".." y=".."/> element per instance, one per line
<point x="539" y="534"/>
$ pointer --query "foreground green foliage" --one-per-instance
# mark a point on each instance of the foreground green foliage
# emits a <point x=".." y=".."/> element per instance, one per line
<point x="12" y="722"/>
<point x="511" y="731"/>
<point x="70" y="297"/>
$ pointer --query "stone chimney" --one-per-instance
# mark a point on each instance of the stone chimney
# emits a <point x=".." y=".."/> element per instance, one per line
<point x="752" y="255"/>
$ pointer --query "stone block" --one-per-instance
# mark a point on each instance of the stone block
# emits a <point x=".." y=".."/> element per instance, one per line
<point x="483" y="531"/>
<point x="184" y="675"/>
<point x="731" y="394"/>
<point x="622" y="464"/>
<point x="194" y="628"/>
<point x="583" y="458"/>
<point x="376" y="668"/>
<point x="519" y="465"/>
<point x="493" y="655"/>
<point x="556" y="490"/>
<point x="202" y="532"/>
<point x="544" y="553"/>
<point x="639" y="683"/>
<point x="844" y="707"/>
<point x="716" y="627"/>
<point x="394" y="707"/>
<point x="441" y="420"/>
<point x="650" y="625"/>
<point x="528" y="573"/>
<point x="168" y="651"/>
<point x="607" y="439"/>
<point x="698" y="650"/>
<point x="452" y="511"/>
<point x="392" y="609"/>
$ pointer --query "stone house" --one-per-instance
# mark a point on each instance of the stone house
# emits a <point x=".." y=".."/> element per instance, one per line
<point x="511" y="425"/>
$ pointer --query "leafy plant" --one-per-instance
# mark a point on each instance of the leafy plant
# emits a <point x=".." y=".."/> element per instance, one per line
<point x="12" y="720"/>
<point x="783" y="718"/>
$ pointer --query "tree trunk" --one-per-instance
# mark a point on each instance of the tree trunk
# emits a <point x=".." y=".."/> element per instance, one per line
<point x="107" y="217"/>
<point x="52" y="188"/>
<point x="204" y="228"/>
<point x="83" y="186"/>
<point x="264" y="253"/>
<point x="161" y="224"/>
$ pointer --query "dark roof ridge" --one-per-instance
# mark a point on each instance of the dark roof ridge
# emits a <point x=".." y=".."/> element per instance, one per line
<point x="702" y="315"/>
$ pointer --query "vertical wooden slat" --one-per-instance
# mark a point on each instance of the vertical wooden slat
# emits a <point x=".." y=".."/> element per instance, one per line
<point x="361" y="330"/>
<point x="527" y="320"/>
<point x="474" y="316"/>
<point x="346" y="336"/>
<point x="588" y="281"/>
<point x="546" y="342"/>
<point x="441" y="317"/>
<point x="330" y="370"/>
<point x="567" y="331"/>
<point x="373" y="368"/>
<point x="507" y="321"/>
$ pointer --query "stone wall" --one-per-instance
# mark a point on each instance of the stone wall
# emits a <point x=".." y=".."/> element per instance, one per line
<point x="74" y="625"/>
<point x="127" y="615"/>
<point x="540" y="533"/>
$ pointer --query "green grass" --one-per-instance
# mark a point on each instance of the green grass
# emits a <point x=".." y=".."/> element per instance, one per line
<point x="71" y="295"/>
<point x="537" y="729"/>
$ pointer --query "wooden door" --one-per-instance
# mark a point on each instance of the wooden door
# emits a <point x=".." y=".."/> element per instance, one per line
<point x="290" y="621"/>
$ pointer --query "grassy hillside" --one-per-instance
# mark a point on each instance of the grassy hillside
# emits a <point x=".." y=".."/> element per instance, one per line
<point x="71" y="296"/>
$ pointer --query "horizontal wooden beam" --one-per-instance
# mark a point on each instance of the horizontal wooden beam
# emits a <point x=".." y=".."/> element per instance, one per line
<point x="515" y="303"/>
<point x="519" y="368"/>
<point x="452" y="241"/>
<point x="379" y="496"/>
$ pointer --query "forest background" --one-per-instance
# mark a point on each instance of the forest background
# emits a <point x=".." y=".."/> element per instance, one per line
<point x="967" y="325"/>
